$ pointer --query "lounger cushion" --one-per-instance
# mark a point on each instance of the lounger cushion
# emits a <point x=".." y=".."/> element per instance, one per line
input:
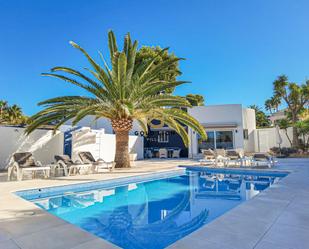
<point x="208" y="152"/>
<point x="86" y="157"/>
<point x="65" y="158"/>
<point x="232" y="154"/>
<point x="261" y="156"/>
<point x="24" y="159"/>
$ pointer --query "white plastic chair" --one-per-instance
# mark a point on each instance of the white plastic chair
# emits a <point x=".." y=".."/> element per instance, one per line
<point x="162" y="153"/>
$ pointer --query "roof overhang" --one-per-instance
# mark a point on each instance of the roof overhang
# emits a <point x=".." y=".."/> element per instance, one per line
<point x="220" y="125"/>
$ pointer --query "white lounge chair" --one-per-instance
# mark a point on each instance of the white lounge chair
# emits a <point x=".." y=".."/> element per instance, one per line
<point x="70" y="167"/>
<point x="24" y="162"/>
<point x="176" y="153"/>
<point x="163" y="153"/>
<point x="209" y="157"/>
<point x="233" y="158"/>
<point x="87" y="157"/>
<point x="263" y="159"/>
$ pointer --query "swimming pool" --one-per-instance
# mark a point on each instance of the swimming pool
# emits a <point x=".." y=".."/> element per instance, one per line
<point x="151" y="211"/>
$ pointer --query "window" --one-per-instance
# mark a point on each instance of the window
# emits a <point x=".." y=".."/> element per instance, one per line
<point x="224" y="139"/>
<point x="246" y="134"/>
<point x="163" y="137"/>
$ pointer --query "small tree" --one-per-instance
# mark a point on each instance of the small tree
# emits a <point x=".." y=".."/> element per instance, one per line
<point x="159" y="55"/>
<point x="260" y="117"/>
<point x="284" y="124"/>
<point x="303" y="130"/>
<point x="295" y="96"/>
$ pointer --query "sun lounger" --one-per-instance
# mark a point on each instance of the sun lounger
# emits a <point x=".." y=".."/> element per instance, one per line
<point x="24" y="162"/>
<point x="209" y="157"/>
<point x="208" y="154"/>
<point x="262" y="159"/>
<point x="70" y="167"/>
<point x="233" y="157"/>
<point x="87" y="157"/>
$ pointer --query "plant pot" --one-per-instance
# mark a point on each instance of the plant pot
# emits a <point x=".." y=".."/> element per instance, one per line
<point x="133" y="156"/>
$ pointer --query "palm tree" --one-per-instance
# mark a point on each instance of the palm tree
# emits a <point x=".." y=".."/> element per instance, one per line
<point x="125" y="92"/>
<point x="14" y="114"/>
<point x="195" y="99"/>
<point x="272" y="104"/>
<point x="3" y="107"/>
<point x="269" y="106"/>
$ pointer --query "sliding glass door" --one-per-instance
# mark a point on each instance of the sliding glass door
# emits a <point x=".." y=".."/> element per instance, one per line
<point x="209" y="143"/>
<point x="217" y="140"/>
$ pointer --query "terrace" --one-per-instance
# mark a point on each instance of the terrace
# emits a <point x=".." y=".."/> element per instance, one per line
<point x="275" y="218"/>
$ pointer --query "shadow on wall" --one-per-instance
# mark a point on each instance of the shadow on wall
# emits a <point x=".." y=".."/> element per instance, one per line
<point x="42" y="143"/>
<point x="102" y="145"/>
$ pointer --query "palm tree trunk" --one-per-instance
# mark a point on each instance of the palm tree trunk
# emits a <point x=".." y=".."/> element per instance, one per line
<point x="287" y="135"/>
<point x="295" y="138"/>
<point x="295" y="131"/>
<point x="122" y="159"/>
<point x="121" y="128"/>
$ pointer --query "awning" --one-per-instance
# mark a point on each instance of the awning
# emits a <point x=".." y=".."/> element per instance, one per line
<point x="220" y="125"/>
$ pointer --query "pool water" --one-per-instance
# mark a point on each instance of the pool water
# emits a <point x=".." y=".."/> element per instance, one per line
<point x="155" y="213"/>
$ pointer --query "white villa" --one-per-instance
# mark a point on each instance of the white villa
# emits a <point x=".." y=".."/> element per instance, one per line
<point x="228" y="126"/>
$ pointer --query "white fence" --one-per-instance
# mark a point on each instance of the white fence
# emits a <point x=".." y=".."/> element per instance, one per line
<point x="102" y="145"/>
<point x="265" y="139"/>
<point x="42" y="143"/>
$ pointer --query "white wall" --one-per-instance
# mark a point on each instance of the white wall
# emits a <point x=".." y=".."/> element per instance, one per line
<point x="102" y="123"/>
<point x="249" y="123"/>
<point x="217" y="114"/>
<point x="266" y="138"/>
<point x="42" y="143"/>
<point x="103" y="145"/>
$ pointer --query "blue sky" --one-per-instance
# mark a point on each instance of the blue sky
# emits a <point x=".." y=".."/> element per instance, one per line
<point x="233" y="49"/>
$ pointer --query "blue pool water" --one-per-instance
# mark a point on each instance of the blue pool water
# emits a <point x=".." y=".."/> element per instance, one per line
<point x="152" y="213"/>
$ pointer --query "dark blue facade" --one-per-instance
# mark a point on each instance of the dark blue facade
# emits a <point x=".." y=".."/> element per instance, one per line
<point x="173" y="141"/>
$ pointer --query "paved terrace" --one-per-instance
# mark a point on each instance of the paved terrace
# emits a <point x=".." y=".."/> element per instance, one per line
<point x="276" y="218"/>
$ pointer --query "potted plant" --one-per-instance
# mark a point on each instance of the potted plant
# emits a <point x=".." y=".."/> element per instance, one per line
<point x="133" y="155"/>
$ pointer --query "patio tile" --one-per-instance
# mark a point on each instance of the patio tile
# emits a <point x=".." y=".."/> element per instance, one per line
<point x="4" y="235"/>
<point x="29" y="224"/>
<point x="288" y="236"/>
<point x="96" y="244"/>
<point x="260" y="210"/>
<point x="238" y="224"/>
<point x="225" y="239"/>
<point x="188" y="242"/>
<point x="65" y="236"/>
<point x="270" y="245"/>
<point x="297" y="218"/>
<point x="9" y="244"/>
